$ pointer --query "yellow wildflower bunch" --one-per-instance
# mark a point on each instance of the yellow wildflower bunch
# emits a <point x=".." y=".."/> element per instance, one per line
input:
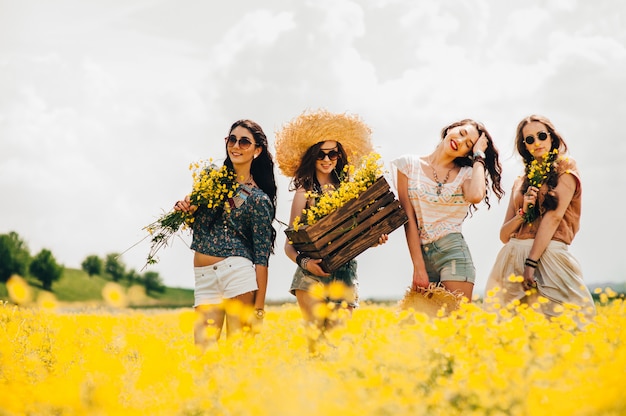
<point x="537" y="173"/>
<point x="213" y="187"/>
<point x="358" y="180"/>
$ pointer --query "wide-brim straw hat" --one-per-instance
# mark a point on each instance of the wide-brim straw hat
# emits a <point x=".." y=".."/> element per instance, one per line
<point x="310" y="128"/>
<point x="434" y="301"/>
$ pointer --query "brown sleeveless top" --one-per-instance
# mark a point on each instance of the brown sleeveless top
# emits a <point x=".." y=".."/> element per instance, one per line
<point x="570" y="223"/>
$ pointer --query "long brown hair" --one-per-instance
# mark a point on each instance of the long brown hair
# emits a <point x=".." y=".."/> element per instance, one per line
<point x="492" y="159"/>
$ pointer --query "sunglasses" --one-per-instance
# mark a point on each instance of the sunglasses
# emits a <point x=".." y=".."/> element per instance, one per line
<point x="332" y="155"/>
<point x="542" y="136"/>
<point x="244" y="142"/>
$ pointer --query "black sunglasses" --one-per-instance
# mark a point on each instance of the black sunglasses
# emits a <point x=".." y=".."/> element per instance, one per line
<point x="332" y="155"/>
<point x="542" y="136"/>
<point x="244" y="142"/>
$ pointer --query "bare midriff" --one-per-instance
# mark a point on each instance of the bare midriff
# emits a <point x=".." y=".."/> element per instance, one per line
<point x="201" y="260"/>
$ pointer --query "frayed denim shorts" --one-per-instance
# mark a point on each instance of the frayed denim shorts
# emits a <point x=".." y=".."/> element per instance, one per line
<point x="449" y="259"/>
<point x="225" y="279"/>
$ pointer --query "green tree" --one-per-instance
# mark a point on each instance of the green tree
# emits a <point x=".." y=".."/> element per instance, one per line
<point x="132" y="277"/>
<point x="92" y="265"/>
<point x="114" y="267"/>
<point x="153" y="282"/>
<point x="45" y="268"/>
<point x="14" y="256"/>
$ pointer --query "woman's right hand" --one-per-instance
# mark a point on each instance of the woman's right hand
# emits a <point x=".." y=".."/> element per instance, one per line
<point x="183" y="205"/>
<point x="420" y="279"/>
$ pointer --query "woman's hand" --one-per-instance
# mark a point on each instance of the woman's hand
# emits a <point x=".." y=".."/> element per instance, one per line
<point x="530" y="198"/>
<point x="481" y="144"/>
<point x="420" y="279"/>
<point x="184" y="205"/>
<point x="382" y="240"/>
<point x="313" y="266"/>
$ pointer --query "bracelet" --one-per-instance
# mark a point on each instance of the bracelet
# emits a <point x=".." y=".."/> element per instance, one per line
<point x="531" y="263"/>
<point x="302" y="260"/>
<point x="480" y="160"/>
<point x="479" y="154"/>
<point x="521" y="213"/>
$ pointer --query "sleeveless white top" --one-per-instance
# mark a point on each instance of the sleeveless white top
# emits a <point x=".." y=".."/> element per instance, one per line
<point x="437" y="215"/>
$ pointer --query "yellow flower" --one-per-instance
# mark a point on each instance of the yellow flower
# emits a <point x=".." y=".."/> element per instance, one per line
<point x="46" y="300"/>
<point x="19" y="291"/>
<point x="332" y="199"/>
<point x="113" y="294"/>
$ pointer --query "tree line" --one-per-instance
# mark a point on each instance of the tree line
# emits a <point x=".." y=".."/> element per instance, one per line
<point x="15" y="258"/>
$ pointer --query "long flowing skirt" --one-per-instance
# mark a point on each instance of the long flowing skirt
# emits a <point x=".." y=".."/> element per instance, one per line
<point x="559" y="280"/>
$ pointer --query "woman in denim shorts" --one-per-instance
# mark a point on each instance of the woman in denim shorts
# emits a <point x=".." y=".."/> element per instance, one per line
<point x="313" y="149"/>
<point x="437" y="192"/>
<point x="232" y="247"/>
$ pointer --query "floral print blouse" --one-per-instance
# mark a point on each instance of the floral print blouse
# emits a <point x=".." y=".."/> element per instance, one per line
<point x="245" y="231"/>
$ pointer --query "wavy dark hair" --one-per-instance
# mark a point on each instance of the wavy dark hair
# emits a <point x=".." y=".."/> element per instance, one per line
<point x="550" y="200"/>
<point x="492" y="159"/>
<point x="262" y="168"/>
<point x="305" y="176"/>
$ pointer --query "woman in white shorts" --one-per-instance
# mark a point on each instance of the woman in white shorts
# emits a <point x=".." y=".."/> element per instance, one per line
<point x="232" y="248"/>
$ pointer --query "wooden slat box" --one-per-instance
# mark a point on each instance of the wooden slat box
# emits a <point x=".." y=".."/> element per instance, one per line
<point x="353" y="228"/>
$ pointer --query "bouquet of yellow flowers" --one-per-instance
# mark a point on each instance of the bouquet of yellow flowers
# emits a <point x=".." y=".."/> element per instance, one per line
<point x="213" y="187"/>
<point x="537" y="174"/>
<point x="330" y="201"/>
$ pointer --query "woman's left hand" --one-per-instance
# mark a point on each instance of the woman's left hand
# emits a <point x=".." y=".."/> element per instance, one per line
<point x="481" y="144"/>
<point x="382" y="240"/>
<point x="529" y="278"/>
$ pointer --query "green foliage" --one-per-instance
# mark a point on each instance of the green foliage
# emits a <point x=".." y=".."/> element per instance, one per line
<point x="92" y="265"/>
<point x="45" y="268"/>
<point x="114" y="267"/>
<point x="153" y="282"/>
<point x="14" y="256"/>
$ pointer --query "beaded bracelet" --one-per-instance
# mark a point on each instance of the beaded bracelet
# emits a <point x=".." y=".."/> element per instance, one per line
<point x="531" y="263"/>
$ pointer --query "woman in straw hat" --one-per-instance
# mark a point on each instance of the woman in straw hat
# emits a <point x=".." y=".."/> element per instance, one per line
<point x="313" y="149"/>
<point x="437" y="191"/>
<point x="232" y="248"/>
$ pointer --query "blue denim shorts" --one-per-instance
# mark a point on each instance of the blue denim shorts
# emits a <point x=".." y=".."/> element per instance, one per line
<point x="346" y="274"/>
<point x="449" y="259"/>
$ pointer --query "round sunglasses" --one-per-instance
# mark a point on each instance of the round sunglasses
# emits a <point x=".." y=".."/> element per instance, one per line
<point x="542" y="136"/>
<point x="244" y="142"/>
<point x="332" y="155"/>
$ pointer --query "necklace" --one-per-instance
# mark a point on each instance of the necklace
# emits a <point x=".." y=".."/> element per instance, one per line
<point x="247" y="181"/>
<point x="445" y="180"/>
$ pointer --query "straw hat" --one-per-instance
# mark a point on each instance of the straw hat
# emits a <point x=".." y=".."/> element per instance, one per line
<point x="431" y="300"/>
<point x="310" y="128"/>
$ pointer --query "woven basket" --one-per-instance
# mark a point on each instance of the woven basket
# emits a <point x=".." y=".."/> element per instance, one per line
<point x="434" y="301"/>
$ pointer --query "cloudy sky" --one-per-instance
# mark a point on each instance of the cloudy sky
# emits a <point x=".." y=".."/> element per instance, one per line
<point x="103" y="105"/>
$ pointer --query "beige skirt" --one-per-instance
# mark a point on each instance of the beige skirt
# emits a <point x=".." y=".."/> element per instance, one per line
<point x="559" y="279"/>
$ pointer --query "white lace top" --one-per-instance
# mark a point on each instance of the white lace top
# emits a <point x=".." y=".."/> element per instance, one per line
<point x="437" y="215"/>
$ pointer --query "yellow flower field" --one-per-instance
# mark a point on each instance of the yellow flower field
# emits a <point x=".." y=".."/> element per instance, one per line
<point x="382" y="362"/>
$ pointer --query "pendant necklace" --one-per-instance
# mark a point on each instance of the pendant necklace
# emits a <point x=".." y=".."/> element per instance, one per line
<point x="445" y="180"/>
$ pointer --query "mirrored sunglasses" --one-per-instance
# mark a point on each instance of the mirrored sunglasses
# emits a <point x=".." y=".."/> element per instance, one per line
<point x="541" y="136"/>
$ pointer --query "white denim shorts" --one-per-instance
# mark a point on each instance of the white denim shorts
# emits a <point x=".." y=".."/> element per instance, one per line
<point x="225" y="279"/>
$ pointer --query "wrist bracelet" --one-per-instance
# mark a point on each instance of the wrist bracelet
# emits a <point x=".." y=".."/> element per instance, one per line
<point x="531" y="263"/>
<point x="521" y="213"/>
<point x="479" y="154"/>
<point x="480" y="160"/>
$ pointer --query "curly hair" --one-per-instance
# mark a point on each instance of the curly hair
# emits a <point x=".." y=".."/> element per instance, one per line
<point x="492" y="159"/>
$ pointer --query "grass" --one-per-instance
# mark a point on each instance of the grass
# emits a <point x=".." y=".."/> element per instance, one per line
<point x="76" y="286"/>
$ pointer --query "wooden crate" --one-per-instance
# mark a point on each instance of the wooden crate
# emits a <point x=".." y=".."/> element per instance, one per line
<point x="351" y="229"/>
